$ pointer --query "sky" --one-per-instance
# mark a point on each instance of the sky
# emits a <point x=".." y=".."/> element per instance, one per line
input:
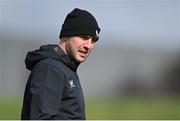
<point x="139" y="23"/>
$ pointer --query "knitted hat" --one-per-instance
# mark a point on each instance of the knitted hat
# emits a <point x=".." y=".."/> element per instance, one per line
<point x="80" y="22"/>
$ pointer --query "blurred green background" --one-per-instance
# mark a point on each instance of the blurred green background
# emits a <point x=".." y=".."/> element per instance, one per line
<point x="112" y="108"/>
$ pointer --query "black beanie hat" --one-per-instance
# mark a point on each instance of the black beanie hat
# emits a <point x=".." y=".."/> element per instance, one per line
<point x="80" y="22"/>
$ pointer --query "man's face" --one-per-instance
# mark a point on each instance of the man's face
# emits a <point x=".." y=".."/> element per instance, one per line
<point x="79" y="47"/>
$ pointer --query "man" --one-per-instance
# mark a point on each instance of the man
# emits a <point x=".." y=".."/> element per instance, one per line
<point x="53" y="90"/>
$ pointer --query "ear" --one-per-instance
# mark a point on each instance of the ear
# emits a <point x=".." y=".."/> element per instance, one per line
<point x="64" y="39"/>
<point x="63" y="42"/>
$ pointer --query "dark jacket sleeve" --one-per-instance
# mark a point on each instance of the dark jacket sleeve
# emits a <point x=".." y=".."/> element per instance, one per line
<point x="46" y="90"/>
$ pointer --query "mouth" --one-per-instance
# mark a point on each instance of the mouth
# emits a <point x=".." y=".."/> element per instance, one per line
<point x="83" y="53"/>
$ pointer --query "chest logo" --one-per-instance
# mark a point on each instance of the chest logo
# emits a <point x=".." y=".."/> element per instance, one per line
<point x="71" y="83"/>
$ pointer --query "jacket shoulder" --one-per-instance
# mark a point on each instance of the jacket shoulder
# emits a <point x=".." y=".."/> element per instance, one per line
<point x="50" y="62"/>
<point x="55" y="64"/>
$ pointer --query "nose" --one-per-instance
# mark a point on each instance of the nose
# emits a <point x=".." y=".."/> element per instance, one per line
<point x="89" y="44"/>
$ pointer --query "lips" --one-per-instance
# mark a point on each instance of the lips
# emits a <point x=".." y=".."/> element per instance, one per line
<point x="83" y="53"/>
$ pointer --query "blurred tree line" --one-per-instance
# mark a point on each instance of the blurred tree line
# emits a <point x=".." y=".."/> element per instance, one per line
<point x="172" y="77"/>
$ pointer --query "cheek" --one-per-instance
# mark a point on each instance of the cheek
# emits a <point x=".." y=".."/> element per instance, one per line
<point x="73" y="48"/>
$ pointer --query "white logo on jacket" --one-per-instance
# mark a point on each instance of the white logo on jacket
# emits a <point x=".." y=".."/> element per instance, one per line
<point x="71" y="82"/>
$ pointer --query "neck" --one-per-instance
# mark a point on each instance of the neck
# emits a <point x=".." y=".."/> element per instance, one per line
<point x="67" y="60"/>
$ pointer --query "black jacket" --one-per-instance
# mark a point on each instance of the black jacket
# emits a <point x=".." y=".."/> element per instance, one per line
<point x="53" y="89"/>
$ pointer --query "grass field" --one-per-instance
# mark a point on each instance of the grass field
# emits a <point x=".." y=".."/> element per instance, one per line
<point x="134" y="108"/>
<point x="10" y="108"/>
<point x="109" y="109"/>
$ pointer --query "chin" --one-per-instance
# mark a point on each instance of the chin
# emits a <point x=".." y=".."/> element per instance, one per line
<point x="80" y="60"/>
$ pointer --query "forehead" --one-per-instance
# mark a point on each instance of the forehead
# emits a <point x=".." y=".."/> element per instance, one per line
<point x="79" y="37"/>
<point x="85" y="37"/>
